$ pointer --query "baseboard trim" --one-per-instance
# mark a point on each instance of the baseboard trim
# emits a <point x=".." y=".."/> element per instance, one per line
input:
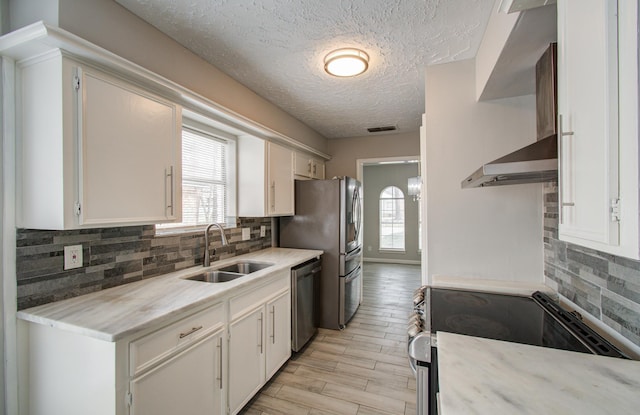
<point x="392" y="261"/>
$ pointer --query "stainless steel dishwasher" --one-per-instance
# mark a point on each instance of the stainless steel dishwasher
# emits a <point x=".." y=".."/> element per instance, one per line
<point x="303" y="302"/>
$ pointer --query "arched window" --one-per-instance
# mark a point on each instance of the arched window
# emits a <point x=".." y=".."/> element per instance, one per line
<point x="392" y="219"/>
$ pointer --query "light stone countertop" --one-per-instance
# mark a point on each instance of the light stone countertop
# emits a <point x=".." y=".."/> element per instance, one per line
<point x="482" y="376"/>
<point x="118" y="312"/>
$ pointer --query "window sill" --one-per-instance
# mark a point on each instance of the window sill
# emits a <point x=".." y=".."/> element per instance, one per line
<point x="392" y="251"/>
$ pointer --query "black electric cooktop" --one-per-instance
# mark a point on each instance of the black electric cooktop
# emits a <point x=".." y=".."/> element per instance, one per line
<point x="504" y="317"/>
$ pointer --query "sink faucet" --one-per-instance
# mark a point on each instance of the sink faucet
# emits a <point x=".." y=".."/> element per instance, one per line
<point x="207" y="259"/>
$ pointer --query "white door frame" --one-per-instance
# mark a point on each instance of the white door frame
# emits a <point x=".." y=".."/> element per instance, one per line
<point x="360" y="163"/>
<point x="8" y="235"/>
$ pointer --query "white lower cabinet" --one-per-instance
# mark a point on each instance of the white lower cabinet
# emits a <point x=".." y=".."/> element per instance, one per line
<point x="190" y="383"/>
<point x="260" y="344"/>
<point x="260" y="339"/>
<point x="208" y="362"/>
<point x="246" y="358"/>
<point x="278" y="341"/>
<point x="180" y="367"/>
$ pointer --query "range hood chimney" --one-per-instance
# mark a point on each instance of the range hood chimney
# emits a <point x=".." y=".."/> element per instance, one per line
<point x="537" y="162"/>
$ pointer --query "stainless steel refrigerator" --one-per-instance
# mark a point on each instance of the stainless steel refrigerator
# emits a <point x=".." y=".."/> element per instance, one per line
<point x="329" y="217"/>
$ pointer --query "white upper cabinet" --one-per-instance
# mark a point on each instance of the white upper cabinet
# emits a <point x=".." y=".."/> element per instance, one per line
<point x="598" y="131"/>
<point x="93" y="149"/>
<point x="308" y="167"/>
<point x="265" y="178"/>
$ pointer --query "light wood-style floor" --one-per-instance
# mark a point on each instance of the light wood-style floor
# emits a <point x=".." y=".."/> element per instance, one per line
<point x="362" y="369"/>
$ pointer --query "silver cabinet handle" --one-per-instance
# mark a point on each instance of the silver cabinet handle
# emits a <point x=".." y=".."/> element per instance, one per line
<point x="273" y="196"/>
<point x="273" y="324"/>
<point x="220" y="360"/>
<point x="315" y="169"/>
<point x="261" y="332"/>
<point x="190" y="332"/>
<point x="309" y="166"/>
<point x="561" y="203"/>
<point x="169" y="175"/>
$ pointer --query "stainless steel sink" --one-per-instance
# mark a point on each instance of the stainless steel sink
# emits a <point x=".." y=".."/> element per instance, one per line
<point x="230" y="272"/>
<point x="245" y="267"/>
<point x="216" y="276"/>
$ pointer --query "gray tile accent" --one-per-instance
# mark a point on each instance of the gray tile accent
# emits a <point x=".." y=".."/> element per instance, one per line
<point x="116" y="256"/>
<point x="625" y="313"/>
<point x="606" y="286"/>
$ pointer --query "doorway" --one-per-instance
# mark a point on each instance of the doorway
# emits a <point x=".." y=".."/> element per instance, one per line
<point x="391" y="219"/>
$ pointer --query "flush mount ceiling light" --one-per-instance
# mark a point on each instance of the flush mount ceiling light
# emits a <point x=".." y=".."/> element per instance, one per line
<point x="346" y="62"/>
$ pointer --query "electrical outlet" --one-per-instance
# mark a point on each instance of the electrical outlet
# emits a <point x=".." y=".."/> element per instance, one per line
<point x="263" y="231"/>
<point x="246" y="234"/>
<point x="72" y="256"/>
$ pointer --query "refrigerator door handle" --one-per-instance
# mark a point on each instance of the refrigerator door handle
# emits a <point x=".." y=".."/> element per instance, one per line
<point x="356" y="213"/>
<point x="355" y="253"/>
<point x="352" y="275"/>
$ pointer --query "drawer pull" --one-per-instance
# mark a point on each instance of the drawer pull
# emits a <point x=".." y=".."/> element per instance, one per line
<point x="273" y="324"/>
<point x="220" y="361"/>
<point x="261" y="332"/>
<point x="169" y="174"/>
<point x="190" y="332"/>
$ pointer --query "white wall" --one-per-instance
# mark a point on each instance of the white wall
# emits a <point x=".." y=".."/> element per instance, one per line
<point x="491" y="233"/>
<point x="346" y="151"/>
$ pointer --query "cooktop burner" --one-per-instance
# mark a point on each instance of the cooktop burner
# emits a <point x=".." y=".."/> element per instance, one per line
<point x="473" y="325"/>
<point x="465" y="298"/>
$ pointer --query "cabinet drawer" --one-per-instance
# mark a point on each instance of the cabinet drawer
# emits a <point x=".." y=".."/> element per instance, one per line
<point x="149" y="350"/>
<point x="241" y="304"/>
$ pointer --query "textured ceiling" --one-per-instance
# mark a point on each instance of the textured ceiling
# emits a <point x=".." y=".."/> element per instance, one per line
<point x="276" y="48"/>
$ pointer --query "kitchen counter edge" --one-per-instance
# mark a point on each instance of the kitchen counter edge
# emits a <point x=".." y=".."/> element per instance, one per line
<point x="122" y="311"/>
<point x="479" y="376"/>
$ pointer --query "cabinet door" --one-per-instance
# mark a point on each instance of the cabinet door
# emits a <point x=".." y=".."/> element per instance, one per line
<point x="246" y="358"/>
<point x="280" y="180"/>
<point x="303" y="165"/>
<point x="317" y="171"/>
<point x="278" y="332"/>
<point x="130" y="161"/>
<point x="588" y="117"/>
<point x="187" y="384"/>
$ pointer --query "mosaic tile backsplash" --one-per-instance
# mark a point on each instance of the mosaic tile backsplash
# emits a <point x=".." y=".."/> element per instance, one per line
<point x="606" y="286"/>
<point x="116" y="256"/>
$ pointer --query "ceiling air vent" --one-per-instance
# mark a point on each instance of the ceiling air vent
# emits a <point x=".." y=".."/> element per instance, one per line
<point x="380" y="129"/>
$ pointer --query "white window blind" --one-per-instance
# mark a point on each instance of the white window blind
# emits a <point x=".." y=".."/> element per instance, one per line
<point x="205" y="183"/>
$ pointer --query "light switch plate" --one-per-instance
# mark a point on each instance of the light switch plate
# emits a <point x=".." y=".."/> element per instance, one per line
<point x="72" y="256"/>
<point x="246" y="234"/>
<point x="263" y="231"/>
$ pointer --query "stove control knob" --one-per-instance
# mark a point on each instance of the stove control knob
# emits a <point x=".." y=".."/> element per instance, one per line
<point x="418" y="297"/>
<point x="413" y="331"/>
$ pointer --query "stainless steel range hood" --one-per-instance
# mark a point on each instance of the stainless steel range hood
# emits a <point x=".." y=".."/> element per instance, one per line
<point x="537" y="162"/>
<point x="534" y="163"/>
